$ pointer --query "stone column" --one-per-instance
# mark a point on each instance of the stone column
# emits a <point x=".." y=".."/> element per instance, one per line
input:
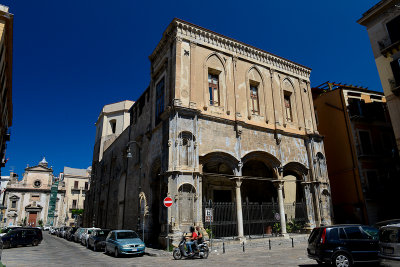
<point x="239" y="210"/>
<point x="279" y="187"/>
<point x="309" y="206"/>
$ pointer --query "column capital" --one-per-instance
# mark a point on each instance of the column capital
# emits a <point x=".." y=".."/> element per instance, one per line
<point x="278" y="184"/>
<point x="238" y="181"/>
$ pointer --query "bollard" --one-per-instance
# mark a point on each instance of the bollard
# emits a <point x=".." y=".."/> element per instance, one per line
<point x="292" y="243"/>
<point x="269" y="243"/>
<point x="223" y="247"/>
<point x="243" y="247"/>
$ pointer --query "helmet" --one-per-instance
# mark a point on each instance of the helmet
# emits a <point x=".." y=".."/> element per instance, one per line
<point x="191" y="229"/>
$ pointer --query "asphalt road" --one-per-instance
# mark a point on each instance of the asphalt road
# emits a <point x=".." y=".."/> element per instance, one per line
<point x="54" y="251"/>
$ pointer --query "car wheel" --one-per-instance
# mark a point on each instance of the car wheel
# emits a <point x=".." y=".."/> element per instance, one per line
<point x="94" y="247"/>
<point x="87" y="245"/>
<point x="105" y="250"/>
<point x="35" y="242"/>
<point x="342" y="260"/>
<point x="116" y="253"/>
<point x="6" y="244"/>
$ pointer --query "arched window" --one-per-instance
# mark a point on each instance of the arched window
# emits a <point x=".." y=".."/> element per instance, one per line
<point x="113" y="126"/>
<point x="186" y="141"/>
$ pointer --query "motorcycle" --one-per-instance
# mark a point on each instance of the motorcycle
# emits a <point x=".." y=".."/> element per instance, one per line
<point x="180" y="251"/>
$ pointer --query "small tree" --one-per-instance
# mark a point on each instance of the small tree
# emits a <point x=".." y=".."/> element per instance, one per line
<point x="24" y="222"/>
<point x="40" y="222"/>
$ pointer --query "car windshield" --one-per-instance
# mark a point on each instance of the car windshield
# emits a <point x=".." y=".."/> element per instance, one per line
<point x="371" y="232"/>
<point x="126" y="235"/>
<point x="102" y="232"/>
<point x="90" y="231"/>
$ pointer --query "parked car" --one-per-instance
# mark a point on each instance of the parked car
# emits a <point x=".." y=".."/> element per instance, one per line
<point x="389" y="241"/>
<point x="5" y="230"/>
<point x="61" y="232"/>
<point x="46" y="228"/>
<point x="22" y="236"/>
<point x="97" y="239"/>
<point x="343" y="245"/>
<point x="121" y="242"/>
<point x="78" y="234"/>
<point x="69" y="233"/>
<point x="86" y="233"/>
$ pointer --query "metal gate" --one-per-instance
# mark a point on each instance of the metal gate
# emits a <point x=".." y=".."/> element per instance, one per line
<point x="258" y="219"/>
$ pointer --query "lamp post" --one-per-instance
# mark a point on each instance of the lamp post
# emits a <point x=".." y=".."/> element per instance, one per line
<point x="128" y="156"/>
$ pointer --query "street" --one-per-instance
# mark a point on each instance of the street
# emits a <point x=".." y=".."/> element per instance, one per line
<point x="54" y="251"/>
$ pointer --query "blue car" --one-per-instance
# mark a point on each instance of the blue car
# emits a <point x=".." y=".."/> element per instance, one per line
<point x="124" y="242"/>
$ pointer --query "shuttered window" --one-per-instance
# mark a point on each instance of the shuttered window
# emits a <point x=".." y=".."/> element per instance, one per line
<point x="213" y="89"/>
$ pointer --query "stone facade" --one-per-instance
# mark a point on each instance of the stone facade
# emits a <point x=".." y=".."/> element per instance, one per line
<point x="6" y="48"/>
<point x="382" y="22"/>
<point x="27" y="201"/>
<point x="76" y="183"/>
<point x="361" y="150"/>
<point x="221" y="122"/>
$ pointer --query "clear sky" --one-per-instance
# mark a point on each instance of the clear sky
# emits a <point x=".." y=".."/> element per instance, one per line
<point x="71" y="59"/>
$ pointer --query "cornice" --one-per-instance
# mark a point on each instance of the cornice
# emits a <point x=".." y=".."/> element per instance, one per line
<point x="179" y="29"/>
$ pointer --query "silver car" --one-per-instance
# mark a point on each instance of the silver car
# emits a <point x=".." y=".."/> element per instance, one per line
<point x="389" y="241"/>
<point x="86" y="233"/>
<point x="78" y="234"/>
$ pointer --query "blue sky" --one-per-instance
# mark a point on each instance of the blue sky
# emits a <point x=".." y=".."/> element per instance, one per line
<point x="71" y="59"/>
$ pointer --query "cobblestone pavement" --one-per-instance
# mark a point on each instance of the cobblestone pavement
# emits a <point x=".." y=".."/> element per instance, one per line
<point x="54" y="251"/>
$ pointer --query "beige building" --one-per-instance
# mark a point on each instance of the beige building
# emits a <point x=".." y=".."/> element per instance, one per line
<point x="383" y="25"/>
<point x="112" y="121"/>
<point x="27" y="201"/>
<point x="222" y="125"/>
<point x="76" y="183"/>
<point x="6" y="58"/>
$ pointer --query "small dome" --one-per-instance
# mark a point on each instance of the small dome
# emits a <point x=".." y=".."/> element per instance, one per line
<point x="43" y="162"/>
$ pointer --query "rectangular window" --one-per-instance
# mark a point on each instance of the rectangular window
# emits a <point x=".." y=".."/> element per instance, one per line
<point x="213" y="89"/>
<point x="288" y="108"/>
<point x="365" y="142"/>
<point x="74" y="204"/>
<point x="254" y="99"/>
<point x="14" y="204"/>
<point x="76" y="184"/>
<point x="159" y="98"/>
<point x="86" y="185"/>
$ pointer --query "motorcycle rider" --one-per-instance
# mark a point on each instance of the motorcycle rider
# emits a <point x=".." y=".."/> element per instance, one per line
<point x="199" y="238"/>
<point x="191" y="240"/>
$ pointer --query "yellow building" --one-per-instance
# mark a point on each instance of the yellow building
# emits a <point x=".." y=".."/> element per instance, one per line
<point x="6" y="45"/>
<point x="76" y="183"/>
<point x="383" y="25"/>
<point x="360" y="151"/>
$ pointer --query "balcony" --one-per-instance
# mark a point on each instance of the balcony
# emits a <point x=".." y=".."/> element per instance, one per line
<point x="75" y="189"/>
<point x="388" y="48"/>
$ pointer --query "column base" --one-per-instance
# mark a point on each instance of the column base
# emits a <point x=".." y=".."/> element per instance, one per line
<point x="286" y="235"/>
<point x="241" y="238"/>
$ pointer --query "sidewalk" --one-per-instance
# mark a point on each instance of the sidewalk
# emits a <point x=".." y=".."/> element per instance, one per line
<point x="216" y="245"/>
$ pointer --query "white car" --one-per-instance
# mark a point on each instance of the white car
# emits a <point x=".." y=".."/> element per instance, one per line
<point x="86" y="233"/>
<point x="46" y="228"/>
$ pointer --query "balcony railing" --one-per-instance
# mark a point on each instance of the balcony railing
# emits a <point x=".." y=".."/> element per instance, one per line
<point x="388" y="48"/>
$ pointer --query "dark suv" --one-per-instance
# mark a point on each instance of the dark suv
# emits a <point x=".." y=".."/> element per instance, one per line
<point x="22" y="236"/>
<point x="343" y="245"/>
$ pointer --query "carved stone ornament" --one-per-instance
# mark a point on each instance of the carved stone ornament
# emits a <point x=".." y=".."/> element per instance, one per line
<point x="239" y="130"/>
<point x="169" y="142"/>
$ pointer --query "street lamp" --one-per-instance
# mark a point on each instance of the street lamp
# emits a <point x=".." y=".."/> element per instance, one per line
<point x="128" y="156"/>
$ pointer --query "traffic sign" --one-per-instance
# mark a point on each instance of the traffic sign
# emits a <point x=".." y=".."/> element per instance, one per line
<point x="209" y="215"/>
<point x="167" y="202"/>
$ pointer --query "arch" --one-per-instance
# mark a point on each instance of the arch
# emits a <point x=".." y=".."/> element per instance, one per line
<point x="291" y="84"/>
<point x="321" y="168"/>
<point x="218" y="56"/>
<point x="258" y="82"/>
<point x="220" y="69"/>
<point x="296" y="168"/>
<point x="186" y="187"/>
<point x="220" y="157"/>
<point x="270" y="160"/>
<point x="186" y="148"/>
